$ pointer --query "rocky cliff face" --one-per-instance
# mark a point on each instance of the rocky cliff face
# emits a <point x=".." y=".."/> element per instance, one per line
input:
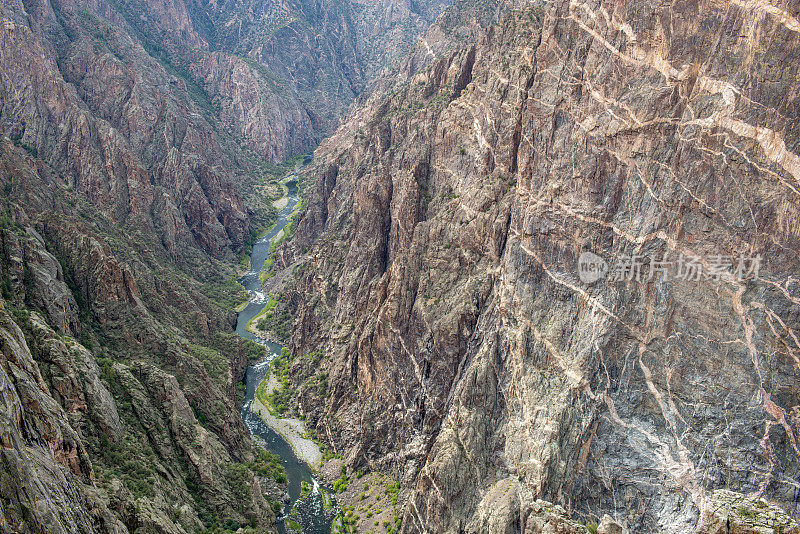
<point x="327" y="52"/>
<point x="86" y="100"/>
<point x="279" y="75"/>
<point x="119" y="406"/>
<point x="121" y="205"/>
<point x="135" y="148"/>
<point x="44" y="458"/>
<point x="437" y="264"/>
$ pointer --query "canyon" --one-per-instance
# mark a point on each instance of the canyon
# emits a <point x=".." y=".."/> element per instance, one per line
<point x="444" y="349"/>
<point x="139" y="156"/>
<point x="437" y="264"/>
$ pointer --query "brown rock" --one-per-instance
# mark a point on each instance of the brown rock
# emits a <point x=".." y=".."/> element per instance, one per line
<point x="438" y="253"/>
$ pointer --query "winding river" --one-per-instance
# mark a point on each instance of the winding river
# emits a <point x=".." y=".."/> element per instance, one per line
<point x="312" y="514"/>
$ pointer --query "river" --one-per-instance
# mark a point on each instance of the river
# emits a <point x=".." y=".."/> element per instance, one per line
<point x="312" y="514"/>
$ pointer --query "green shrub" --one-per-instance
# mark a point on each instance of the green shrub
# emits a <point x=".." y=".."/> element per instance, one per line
<point x="237" y="477"/>
<point x="340" y="485"/>
<point x="268" y="464"/>
<point x="745" y="511"/>
<point x="305" y="489"/>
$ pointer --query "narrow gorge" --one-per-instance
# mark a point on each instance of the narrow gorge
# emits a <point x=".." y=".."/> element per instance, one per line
<point x="424" y="266"/>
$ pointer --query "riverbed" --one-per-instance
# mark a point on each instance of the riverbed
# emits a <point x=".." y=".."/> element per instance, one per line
<point x="311" y="512"/>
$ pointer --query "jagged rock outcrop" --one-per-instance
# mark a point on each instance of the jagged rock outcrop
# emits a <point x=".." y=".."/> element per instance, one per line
<point x="135" y="142"/>
<point x="32" y="272"/>
<point x="266" y="113"/>
<point x="275" y="76"/>
<point x="59" y="414"/>
<point x="733" y="513"/>
<point x="146" y="450"/>
<point x="73" y="379"/>
<point x="85" y="98"/>
<point x="509" y="507"/>
<point x="118" y="199"/>
<point x="47" y="480"/>
<point x="437" y="264"/>
<point x="316" y="55"/>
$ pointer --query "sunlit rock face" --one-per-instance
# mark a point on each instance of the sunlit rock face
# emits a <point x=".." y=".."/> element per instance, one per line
<point x="437" y="263"/>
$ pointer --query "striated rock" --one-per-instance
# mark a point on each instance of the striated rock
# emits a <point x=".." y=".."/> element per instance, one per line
<point x="111" y="283"/>
<point x="544" y="518"/>
<point x="207" y="456"/>
<point x="46" y="481"/>
<point x="60" y="415"/>
<point x="315" y="57"/>
<point x="275" y="123"/>
<point x="64" y="108"/>
<point x="733" y="513"/>
<point x="509" y="507"/>
<point x="437" y="264"/>
<point x="33" y="273"/>
<point x="435" y="267"/>
<point x="609" y="526"/>
<point x="134" y="145"/>
<point x="74" y="381"/>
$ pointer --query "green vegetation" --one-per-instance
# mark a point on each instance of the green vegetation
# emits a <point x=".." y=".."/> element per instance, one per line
<point x="266" y="271"/>
<point x="237" y="476"/>
<point x="244" y="262"/>
<point x="241" y="389"/>
<point x="268" y="464"/>
<point x="305" y="489"/>
<point x="392" y="490"/>
<point x="280" y="399"/>
<point x="275" y="505"/>
<point x="745" y="511"/>
<point x="199" y="414"/>
<point x="320" y="382"/>
<point x="261" y="392"/>
<point x="217" y="365"/>
<point x="229" y="343"/>
<point x="341" y="483"/>
<point x="278" y="322"/>
<point x="131" y="461"/>
<point x="293" y="219"/>
<point x="7" y="223"/>
<point x="274" y="318"/>
<point x="327" y="454"/>
<point x="227" y="294"/>
<point x="262" y="191"/>
<point x="281" y="363"/>
<point x="327" y="500"/>
<point x="270" y="319"/>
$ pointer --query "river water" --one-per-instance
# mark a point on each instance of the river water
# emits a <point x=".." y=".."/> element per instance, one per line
<point x="312" y="514"/>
